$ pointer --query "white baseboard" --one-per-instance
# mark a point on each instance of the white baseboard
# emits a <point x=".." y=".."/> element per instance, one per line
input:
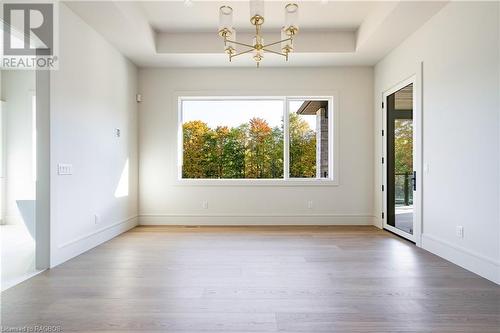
<point x="11" y="283"/>
<point x="77" y="246"/>
<point x="377" y="222"/>
<point x="223" y="219"/>
<point x="474" y="262"/>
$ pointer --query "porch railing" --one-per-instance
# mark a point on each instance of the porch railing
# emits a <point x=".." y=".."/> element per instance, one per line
<point x="403" y="188"/>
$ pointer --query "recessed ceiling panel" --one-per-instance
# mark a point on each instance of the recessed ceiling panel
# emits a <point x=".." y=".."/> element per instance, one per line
<point x="172" y="16"/>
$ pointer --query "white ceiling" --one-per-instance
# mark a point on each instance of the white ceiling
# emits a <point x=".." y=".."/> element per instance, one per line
<point x="332" y="33"/>
<point x="203" y="15"/>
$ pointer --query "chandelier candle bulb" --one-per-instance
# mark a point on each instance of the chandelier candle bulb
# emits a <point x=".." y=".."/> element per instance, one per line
<point x="257" y="9"/>
<point x="292" y="18"/>
<point x="225" y="21"/>
<point x="258" y="41"/>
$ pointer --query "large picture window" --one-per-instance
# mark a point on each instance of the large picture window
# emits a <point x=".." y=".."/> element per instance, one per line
<point x="277" y="138"/>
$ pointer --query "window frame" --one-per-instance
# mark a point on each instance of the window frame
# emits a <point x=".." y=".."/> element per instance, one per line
<point x="333" y="162"/>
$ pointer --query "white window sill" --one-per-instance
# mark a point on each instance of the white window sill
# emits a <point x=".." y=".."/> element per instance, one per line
<point x="256" y="182"/>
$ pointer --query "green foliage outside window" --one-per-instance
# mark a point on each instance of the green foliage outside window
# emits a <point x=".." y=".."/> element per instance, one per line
<point x="403" y="146"/>
<point x="302" y="148"/>
<point x="403" y="161"/>
<point x="250" y="150"/>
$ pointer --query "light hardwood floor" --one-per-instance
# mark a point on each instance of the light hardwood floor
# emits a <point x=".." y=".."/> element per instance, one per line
<point x="256" y="279"/>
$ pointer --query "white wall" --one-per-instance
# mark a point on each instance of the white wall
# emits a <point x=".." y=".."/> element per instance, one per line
<point x="163" y="201"/>
<point x="460" y="130"/>
<point x="92" y="93"/>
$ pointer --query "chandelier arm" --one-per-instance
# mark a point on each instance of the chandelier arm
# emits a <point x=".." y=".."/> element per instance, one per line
<point x="243" y="52"/>
<point x="238" y="43"/>
<point x="278" y="42"/>
<point x="271" y="51"/>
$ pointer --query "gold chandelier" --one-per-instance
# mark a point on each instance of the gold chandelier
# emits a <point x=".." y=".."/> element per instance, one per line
<point x="258" y="48"/>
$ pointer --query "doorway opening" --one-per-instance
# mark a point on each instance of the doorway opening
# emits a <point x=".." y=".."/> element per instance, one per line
<point x="24" y="179"/>
<point x="400" y="167"/>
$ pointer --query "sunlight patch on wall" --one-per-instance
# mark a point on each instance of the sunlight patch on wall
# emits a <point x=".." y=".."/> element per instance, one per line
<point x="122" y="188"/>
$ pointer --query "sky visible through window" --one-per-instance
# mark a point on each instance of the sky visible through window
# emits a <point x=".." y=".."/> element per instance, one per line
<point x="233" y="113"/>
<point x="310" y="119"/>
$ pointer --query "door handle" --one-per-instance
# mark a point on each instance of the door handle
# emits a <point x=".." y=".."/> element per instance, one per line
<point x="414" y="180"/>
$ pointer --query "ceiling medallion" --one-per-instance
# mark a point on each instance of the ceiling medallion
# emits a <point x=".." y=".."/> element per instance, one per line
<point x="258" y="48"/>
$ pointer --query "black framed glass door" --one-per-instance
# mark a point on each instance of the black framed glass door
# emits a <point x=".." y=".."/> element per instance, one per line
<point x="400" y="171"/>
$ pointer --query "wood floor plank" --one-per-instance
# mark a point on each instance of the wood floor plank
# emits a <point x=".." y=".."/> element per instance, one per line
<point x="256" y="279"/>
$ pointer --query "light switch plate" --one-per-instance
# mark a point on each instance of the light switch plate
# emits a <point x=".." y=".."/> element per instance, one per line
<point x="64" y="169"/>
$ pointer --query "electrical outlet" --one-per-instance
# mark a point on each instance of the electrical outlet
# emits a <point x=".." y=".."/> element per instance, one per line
<point x="118" y="132"/>
<point x="64" y="169"/>
<point x="460" y="231"/>
<point x="310" y="204"/>
<point x="96" y="219"/>
<point x="205" y="204"/>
